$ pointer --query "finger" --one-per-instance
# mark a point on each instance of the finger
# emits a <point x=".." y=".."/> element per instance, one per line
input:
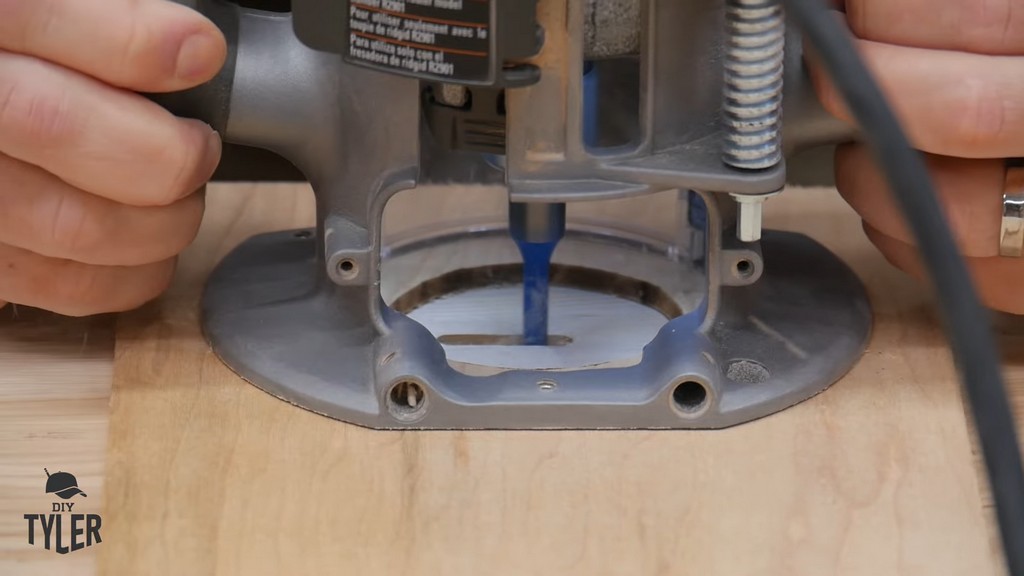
<point x="981" y="26"/>
<point x="996" y="279"/>
<point x="144" y="45"/>
<point x="76" y="289"/>
<point x="41" y="213"/>
<point x="950" y="103"/>
<point x="970" y="192"/>
<point x="100" y="139"/>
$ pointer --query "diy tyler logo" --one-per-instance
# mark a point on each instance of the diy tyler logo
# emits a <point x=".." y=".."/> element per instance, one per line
<point x="84" y="528"/>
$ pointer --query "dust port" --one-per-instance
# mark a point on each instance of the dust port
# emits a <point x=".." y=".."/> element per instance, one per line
<point x="690" y="398"/>
<point x="407" y="400"/>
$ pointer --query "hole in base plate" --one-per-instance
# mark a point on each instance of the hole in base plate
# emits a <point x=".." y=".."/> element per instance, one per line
<point x="595" y="318"/>
<point x="744" y="268"/>
<point x="348" y="269"/>
<point x="407" y="400"/>
<point x="547" y="385"/>
<point x="690" y="397"/>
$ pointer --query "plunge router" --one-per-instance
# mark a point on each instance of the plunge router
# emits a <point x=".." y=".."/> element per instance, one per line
<point x="556" y="103"/>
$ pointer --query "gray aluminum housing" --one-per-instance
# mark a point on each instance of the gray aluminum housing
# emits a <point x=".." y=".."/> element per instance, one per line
<point x="300" y="314"/>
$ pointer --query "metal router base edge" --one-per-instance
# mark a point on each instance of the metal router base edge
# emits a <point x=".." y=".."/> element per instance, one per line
<point x="272" y="316"/>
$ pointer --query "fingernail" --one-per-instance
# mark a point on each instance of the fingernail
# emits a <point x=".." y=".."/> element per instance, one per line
<point x="213" y="152"/>
<point x="196" y="57"/>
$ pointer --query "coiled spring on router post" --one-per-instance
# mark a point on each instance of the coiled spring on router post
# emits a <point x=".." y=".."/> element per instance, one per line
<point x="752" y="109"/>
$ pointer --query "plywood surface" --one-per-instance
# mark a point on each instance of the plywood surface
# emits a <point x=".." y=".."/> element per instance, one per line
<point x="55" y="377"/>
<point x="208" y="475"/>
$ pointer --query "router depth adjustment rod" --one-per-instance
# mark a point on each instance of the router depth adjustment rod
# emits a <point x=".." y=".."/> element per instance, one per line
<point x="536" y="229"/>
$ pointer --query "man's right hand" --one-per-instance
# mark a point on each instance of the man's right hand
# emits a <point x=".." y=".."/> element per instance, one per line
<point x="100" y="188"/>
<point x="953" y="71"/>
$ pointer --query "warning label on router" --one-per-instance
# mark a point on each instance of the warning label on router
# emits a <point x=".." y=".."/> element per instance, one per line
<point x="442" y="39"/>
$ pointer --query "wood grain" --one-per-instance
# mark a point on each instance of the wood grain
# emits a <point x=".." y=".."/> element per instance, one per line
<point x="208" y="475"/>
<point x="55" y="378"/>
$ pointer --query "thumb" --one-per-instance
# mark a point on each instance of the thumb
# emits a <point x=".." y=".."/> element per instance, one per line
<point x="141" y="45"/>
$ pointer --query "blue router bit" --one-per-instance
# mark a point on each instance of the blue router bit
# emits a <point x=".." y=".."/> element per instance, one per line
<point x="536" y="229"/>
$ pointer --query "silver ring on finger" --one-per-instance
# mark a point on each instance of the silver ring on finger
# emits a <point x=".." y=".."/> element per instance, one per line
<point x="1011" y="233"/>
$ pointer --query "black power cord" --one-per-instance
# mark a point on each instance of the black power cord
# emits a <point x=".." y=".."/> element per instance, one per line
<point x="967" y="323"/>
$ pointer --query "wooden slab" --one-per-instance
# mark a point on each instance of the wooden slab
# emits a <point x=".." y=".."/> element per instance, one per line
<point x="55" y="376"/>
<point x="209" y="475"/>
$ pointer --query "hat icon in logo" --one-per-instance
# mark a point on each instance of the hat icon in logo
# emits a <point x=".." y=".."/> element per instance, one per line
<point x="62" y="484"/>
